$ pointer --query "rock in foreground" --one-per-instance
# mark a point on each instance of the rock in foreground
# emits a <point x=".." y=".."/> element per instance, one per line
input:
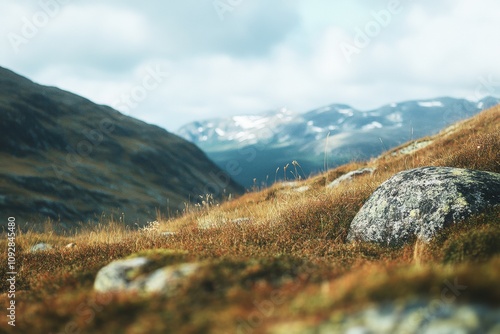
<point x="422" y="201"/>
<point x="412" y="316"/>
<point x="138" y="274"/>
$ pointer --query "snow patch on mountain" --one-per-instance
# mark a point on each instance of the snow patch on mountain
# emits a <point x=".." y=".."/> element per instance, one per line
<point x="430" y="104"/>
<point x="248" y="122"/>
<point x="372" y="125"/>
<point x="348" y="112"/>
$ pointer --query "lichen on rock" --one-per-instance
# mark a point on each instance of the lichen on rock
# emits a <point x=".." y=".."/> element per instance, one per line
<point x="422" y="201"/>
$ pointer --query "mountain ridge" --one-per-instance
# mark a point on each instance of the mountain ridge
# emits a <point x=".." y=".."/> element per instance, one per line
<point x="260" y="144"/>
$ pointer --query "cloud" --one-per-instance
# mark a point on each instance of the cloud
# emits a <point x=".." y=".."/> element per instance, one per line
<point x="189" y="28"/>
<point x="427" y="51"/>
<point x="76" y="38"/>
<point x="453" y="46"/>
<point x="262" y="55"/>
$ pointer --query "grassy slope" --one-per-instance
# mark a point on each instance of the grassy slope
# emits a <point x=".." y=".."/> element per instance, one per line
<point x="289" y="262"/>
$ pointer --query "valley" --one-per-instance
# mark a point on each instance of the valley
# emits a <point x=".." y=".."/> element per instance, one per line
<point x="319" y="139"/>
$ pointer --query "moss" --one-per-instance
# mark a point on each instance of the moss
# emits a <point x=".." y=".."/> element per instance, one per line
<point x="475" y="245"/>
<point x="158" y="258"/>
<point x="159" y="254"/>
<point x="474" y="239"/>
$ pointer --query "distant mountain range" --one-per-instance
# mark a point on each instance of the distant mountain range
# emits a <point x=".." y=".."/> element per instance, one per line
<point x="251" y="148"/>
<point x="64" y="157"/>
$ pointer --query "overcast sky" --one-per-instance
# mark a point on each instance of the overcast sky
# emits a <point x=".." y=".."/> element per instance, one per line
<point x="172" y="62"/>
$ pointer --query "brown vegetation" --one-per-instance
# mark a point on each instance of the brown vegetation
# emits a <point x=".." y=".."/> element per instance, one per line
<point x="287" y="259"/>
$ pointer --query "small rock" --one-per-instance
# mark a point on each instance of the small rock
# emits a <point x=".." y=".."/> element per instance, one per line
<point x="168" y="233"/>
<point x="42" y="246"/>
<point x="118" y="275"/>
<point x="302" y="189"/>
<point x="288" y="184"/>
<point x="166" y="280"/>
<point x="413" y="147"/>
<point x="129" y="275"/>
<point x="422" y="201"/>
<point x="350" y="176"/>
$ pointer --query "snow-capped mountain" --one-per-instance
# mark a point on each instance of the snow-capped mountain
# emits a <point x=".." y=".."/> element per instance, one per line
<point x="253" y="146"/>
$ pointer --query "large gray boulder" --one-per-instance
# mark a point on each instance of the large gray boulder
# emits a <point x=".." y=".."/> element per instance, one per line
<point x="422" y="201"/>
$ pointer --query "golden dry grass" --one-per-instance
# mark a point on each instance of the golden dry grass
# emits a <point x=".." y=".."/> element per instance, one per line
<point x="277" y="242"/>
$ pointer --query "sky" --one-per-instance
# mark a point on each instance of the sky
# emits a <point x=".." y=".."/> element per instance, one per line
<point x="173" y="62"/>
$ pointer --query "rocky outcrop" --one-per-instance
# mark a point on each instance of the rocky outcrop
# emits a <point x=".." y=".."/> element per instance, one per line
<point x="422" y="201"/>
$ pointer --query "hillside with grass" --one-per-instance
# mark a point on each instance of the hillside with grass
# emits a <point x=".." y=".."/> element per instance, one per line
<point x="277" y="260"/>
<point x="66" y="158"/>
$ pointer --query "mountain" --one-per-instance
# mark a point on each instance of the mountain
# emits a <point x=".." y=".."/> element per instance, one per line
<point x="64" y="157"/>
<point x="252" y="147"/>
